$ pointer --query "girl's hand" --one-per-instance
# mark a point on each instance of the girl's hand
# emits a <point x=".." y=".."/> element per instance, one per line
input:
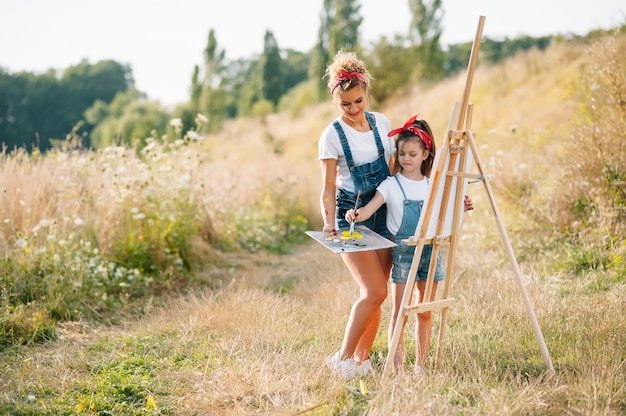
<point x="469" y="205"/>
<point x="351" y="216"/>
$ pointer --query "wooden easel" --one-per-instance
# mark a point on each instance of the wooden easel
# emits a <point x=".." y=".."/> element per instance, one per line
<point x="452" y="167"/>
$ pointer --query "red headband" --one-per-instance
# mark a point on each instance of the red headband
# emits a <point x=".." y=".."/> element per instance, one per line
<point x="408" y="126"/>
<point x="343" y="75"/>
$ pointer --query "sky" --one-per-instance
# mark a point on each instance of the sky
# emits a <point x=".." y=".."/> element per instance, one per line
<point x="162" y="41"/>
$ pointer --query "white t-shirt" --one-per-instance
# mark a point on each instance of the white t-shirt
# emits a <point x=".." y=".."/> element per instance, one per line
<point x="362" y="147"/>
<point x="389" y="189"/>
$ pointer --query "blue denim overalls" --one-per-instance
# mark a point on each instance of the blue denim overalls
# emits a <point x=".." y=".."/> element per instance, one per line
<point x="403" y="253"/>
<point x="366" y="178"/>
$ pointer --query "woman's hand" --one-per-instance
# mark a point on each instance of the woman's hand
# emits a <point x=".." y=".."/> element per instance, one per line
<point x="329" y="228"/>
<point x="469" y="205"/>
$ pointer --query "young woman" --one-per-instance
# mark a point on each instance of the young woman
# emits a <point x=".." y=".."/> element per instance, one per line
<point x="355" y="152"/>
<point x="404" y="195"/>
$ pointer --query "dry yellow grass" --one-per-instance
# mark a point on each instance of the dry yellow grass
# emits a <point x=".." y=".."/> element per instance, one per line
<point x="256" y="342"/>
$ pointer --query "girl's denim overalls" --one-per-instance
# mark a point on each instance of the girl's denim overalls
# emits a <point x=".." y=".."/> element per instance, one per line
<point x="403" y="253"/>
<point x="366" y="178"/>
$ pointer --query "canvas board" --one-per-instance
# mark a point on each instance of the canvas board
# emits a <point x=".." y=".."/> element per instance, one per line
<point x="363" y="239"/>
<point x="452" y="202"/>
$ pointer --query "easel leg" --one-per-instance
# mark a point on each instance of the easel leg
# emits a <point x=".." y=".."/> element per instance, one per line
<point x="509" y="249"/>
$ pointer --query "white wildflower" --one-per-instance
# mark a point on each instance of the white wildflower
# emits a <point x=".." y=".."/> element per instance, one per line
<point x="193" y="135"/>
<point x="176" y="123"/>
<point x="149" y="147"/>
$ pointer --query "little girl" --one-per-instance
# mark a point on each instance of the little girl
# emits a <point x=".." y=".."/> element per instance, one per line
<point x="404" y="194"/>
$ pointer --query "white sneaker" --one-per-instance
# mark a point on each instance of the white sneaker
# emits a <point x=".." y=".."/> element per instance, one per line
<point x="345" y="368"/>
<point x="418" y="370"/>
<point x="365" y="369"/>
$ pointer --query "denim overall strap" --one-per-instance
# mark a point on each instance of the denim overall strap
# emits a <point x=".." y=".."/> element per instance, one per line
<point x="344" y="145"/>
<point x="410" y="216"/>
<point x="403" y="254"/>
<point x="379" y="142"/>
<point x="368" y="176"/>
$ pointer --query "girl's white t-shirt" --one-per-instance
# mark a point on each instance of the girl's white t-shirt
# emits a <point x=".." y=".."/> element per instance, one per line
<point x="389" y="189"/>
<point x="362" y="147"/>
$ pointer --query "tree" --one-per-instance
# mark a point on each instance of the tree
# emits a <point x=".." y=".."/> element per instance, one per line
<point x="239" y="80"/>
<point x="14" y="126"/>
<point x="295" y="68"/>
<point x="212" y="101"/>
<point x="425" y="31"/>
<point x="129" y="119"/>
<point x="394" y="61"/>
<point x="457" y="58"/>
<point x="320" y="56"/>
<point x="344" y="28"/>
<point x="86" y="83"/>
<point x="249" y="87"/>
<point x="37" y="108"/>
<point x="271" y="66"/>
<point x="339" y="29"/>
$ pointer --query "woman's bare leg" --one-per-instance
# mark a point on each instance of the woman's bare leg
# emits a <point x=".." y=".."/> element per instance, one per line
<point x="367" y="339"/>
<point x="397" y="292"/>
<point x="371" y="276"/>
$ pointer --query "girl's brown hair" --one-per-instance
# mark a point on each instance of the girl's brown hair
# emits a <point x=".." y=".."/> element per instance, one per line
<point x="406" y="136"/>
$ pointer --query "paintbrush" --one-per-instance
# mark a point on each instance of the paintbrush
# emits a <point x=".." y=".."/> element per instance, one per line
<point x="356" y="205"/>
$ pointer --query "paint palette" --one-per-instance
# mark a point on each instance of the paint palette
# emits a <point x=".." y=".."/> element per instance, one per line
<point x="363" y="239"/>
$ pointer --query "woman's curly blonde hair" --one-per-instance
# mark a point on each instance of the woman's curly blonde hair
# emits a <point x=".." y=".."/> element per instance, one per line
<point x="347" y="62"/>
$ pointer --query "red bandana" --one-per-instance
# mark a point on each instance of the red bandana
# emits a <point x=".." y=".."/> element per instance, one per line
<point x="408" y="126"/>
<point x="343" y="75"/>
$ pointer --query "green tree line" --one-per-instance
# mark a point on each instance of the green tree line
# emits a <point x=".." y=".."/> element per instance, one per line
<point x="98" y="103"/>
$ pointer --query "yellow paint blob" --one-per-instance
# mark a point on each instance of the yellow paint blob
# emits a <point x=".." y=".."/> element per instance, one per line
<point x="345" y="235"/>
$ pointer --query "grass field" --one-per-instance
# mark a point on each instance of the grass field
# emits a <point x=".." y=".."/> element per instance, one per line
<point x="178" y="280"/>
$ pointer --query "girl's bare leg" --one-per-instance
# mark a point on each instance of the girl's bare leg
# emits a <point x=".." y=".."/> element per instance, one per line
<point x="424" y="327"/>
